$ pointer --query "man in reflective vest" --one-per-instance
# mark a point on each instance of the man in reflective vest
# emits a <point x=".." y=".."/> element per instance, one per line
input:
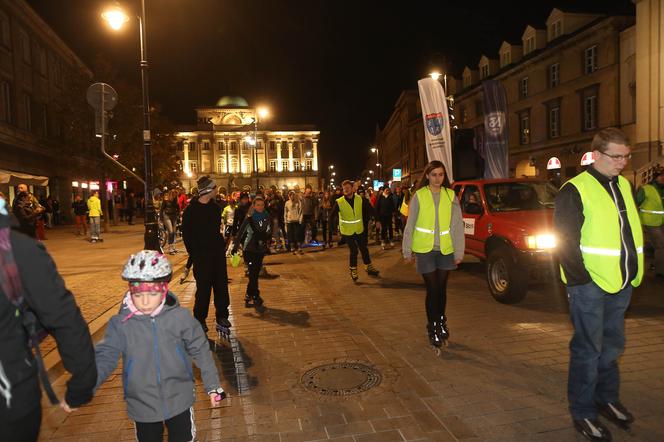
<point x="650" y="199"/>
<point x="352" y="210"/>
<point x="601" y="257"/>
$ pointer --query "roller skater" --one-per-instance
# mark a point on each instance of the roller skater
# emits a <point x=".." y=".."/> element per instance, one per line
<point x="353" y="210"/>
<point x="253" y="235"/>
<point x="435" y="235"/>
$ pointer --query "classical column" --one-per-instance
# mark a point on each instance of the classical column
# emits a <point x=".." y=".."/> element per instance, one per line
<point x="185" y="148"/>
<point x="278" y="145"/>
<point x="240" y="156"/>
<point x="265" y="154"/>
<point x="314" y="164"/>
<point x="290" y="155"/>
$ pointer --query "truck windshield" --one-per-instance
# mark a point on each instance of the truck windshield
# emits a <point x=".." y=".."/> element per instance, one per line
<point x="509" y="197"/>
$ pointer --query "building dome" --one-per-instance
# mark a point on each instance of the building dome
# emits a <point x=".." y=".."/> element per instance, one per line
<point x="229" y="101"/>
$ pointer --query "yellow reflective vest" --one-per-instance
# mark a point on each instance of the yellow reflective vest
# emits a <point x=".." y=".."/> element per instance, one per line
<point x="600" y="233"/>
<point x="652" y="209"/>
<point x="425" y="229"/>
<point x="350" y="218"/>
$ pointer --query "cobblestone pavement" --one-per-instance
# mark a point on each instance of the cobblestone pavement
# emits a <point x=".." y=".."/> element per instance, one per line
<point x="503" y="377"/>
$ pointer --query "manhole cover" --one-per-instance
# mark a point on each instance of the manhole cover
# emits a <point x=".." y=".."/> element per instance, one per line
<point x="341" y="378"/>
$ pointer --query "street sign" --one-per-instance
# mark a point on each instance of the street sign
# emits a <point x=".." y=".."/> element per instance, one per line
<point x="553" y="163"/>
<point x="103" y="98"/>
<point x="396" y="174"/>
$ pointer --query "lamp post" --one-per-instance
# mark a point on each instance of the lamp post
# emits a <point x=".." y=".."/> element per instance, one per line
<point x="378" y="164"/>
<point x="116" y="18"/>
<point x="263" y="113"/>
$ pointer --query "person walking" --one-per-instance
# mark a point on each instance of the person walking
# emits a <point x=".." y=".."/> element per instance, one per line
<point x="326" y="215"/>
<point x="95" y="213"/>
<point x="157" y="339"/>
<point x="353" y="210"/>
<point x="309" y="213"/>
<point x="385" y="209"/>
<point x="650" y="199"/>
<point x="293" y="221"/>
<point x="30" y="280"/>
<point x="80" y="209"/>
<point x="201" y="233"/>
<point x="130" y="208"/>
<point x="253" y="237"/>
<point x="434" y="233"/>
<point x="600" y="251"/>
<point x="169" y="213"/>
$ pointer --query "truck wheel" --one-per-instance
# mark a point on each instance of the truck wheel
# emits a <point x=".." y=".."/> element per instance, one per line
<point x="507" y="283"/>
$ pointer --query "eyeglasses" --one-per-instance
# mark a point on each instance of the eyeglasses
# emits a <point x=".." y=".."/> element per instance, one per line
<point x="617" y="157"/>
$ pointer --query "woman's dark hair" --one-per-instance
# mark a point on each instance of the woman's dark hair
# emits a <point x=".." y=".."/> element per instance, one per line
<point x="435" y="164"/>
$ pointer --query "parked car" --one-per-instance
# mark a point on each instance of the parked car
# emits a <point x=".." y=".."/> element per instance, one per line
<point x="509" y="225"/>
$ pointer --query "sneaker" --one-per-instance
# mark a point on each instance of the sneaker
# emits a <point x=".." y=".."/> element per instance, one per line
<point x="185" y="273"/>
<point x="353" y="273"/>
<point x="382" y="245"/>
<point x="248" y="301"/>
<point x="391" y="243"/>
<point x="223" y="325"/>
<point x="616" y="413"/>
<point x="592" y="429"/>
<point x="371" y="270"/>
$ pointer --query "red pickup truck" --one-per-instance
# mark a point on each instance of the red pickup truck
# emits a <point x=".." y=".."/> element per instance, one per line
<point x="509" y="224"/>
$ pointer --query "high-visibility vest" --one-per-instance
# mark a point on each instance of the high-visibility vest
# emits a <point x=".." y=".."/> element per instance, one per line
<point x="652" y="209"/>
<point x="600" y="233"/>
<point x="350" y="218"/>
<point x="425" y="229"/>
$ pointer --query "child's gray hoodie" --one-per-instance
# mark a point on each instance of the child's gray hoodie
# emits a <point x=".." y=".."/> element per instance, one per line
<point x="156" y="360"/>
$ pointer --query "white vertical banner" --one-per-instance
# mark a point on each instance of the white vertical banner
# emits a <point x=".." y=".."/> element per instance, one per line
<point x="436" y="123"/>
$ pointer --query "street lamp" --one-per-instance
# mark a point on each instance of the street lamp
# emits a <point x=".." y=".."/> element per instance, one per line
<point x="377" y="152"/>
<point x="116" y="18"/>
<point x="261" y="112"/>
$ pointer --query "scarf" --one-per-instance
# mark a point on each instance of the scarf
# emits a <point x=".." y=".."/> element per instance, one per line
<point x="137" y="287"/>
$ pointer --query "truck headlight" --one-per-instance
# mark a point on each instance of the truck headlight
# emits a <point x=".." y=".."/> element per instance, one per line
<point x="543" y="241"/>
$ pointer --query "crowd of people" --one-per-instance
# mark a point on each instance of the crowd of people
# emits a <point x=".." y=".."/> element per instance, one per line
<point x="599" y="222"/>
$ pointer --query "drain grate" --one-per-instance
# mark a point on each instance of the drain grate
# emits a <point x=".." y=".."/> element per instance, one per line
<point x="341" y="378"/>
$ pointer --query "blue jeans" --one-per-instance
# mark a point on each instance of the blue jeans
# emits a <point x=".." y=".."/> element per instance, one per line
<point x="598" y="341"/>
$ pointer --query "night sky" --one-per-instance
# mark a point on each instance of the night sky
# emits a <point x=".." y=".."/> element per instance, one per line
<point x="337" y="64"/>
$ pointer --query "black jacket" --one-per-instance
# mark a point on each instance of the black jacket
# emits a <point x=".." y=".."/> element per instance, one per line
<point x="201" y="224"/>
<point x="385" y="206"/>
<point x="568" y="219"/>
<point x="24" y="211"/>
<point x="238" y="217"/>
<point x="253" y="235"/>
<point x="45" y="293"/>
<point x="170" y="209"/>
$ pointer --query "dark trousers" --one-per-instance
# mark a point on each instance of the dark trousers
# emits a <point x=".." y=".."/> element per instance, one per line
<point x="181" y="428"/>
<point x="355" y="243"/>
<point x="386" y="228"/>
<point x="210" y="274"/>
<point x="308" y="220"/>
<point x="23" y="429"/>
<point x="398" y="226"/>
<point x="327" y="231"/>
<point x="597" y="343"/>
<point x="293" y="235"/>
<point x="254" y="262"/>
<point x="130" y="216"/>
<point x="436" y="300"/>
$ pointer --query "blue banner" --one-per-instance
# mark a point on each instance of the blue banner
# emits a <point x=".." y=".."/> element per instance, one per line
<point x="495" y="144"/>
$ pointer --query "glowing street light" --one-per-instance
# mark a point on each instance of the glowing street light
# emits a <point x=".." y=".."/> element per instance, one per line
<point x="115" y="17"/>
<point x="334" y="174"/>
<point x="435" y="75"/>
<point x="371" y="172"/>
<point x="263" y="112"/>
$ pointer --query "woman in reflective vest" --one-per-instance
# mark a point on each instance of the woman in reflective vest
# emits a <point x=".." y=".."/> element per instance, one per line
<point x="434" y="233"/>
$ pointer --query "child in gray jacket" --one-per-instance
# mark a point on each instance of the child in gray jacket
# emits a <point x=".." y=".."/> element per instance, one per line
<point x="157" y="339"/>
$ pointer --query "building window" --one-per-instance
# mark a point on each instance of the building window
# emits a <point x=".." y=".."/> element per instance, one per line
<point x="221" y="165"/>
<point x="530" y="45"/>
<point x="42" y="60"/>
<point x="259" y="145"/>
<point x="6" y="111"/>
<point x="284" y="165"/>
<point x="505" y="58"/>
<point x="556" y="29"/>
<point x="43" y="129"/>
<point x="193" y="166"/>
<point x="27" y="106"/>
<point x="192" y="146"/>
<point x="296" y="165"/>
<point x="590" y="112"/>
<point x="273" y="165"/>
<point x="524" y="127"/>
<point x="246" y="165"/>
<point x="220" y="145"/>
<point x="245" y="145"/>
<point x="273" y="146"/>
<point x="464" y="114"/>
<point x="554" y="75"/>
<point x="234" y="146"/>
<point x="308" y="165"/>
<point x="5" y="30"/>
<point x="234" y="165"/>
<point x="25" y="46"/>
<point x="554" y="120"/>
<point x="590" y="60"/>
<point x="206" y="145"/>
<point x="484" y="71"/>
<point x="466" y="81"/>
<point x="523" y="87"/>
<point x="179" y="146"/>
